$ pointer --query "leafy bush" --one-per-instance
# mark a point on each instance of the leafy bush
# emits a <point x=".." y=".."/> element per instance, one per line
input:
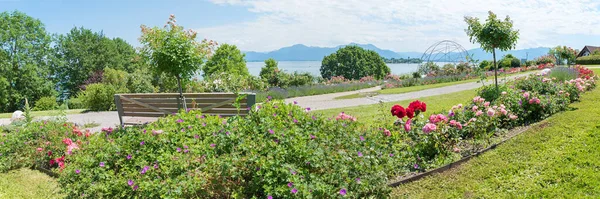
<point x="140" y="82"/>
<point x="546" y="59"/>
<point x="99" y="97"/>
<point x="485" y="64"/>
<point x="591" y="59"/>
<point x="278" y="151"/>
<point x="270" y="68"/>
<point x="117" y="79"/>
<point x="76" y="103"/>
<point x="530" y="63"/>
<point x="227" y="59"/>
<point x="46" y="103"/>
<point x="226" y="82"/>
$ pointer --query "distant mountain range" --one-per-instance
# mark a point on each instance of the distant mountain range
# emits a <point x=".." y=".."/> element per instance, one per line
<point x="300" y="52"/>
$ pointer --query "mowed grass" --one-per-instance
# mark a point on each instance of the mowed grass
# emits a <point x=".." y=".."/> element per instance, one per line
<point x="45" y="113"/>
<point x="27" y="183"/>
<point x="420" y="88"/>
<point x="556" y="158"/>
<point x="368" y="114"/>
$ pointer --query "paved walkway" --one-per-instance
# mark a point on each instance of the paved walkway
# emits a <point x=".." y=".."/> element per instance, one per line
<point x="316" y="102"/>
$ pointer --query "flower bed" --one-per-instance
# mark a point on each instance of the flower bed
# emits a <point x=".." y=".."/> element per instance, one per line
<point x="280" y="150"/>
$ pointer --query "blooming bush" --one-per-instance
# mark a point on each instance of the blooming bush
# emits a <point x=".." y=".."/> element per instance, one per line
<point x="280" y="150"/>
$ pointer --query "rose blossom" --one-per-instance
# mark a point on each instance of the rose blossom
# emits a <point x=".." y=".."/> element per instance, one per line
<point x="429" y="127"/>
<point x="407" y="125"/>
<point x="475" y="108"/>
<point x="491" y="112"/>
<point x="479" y="113"/>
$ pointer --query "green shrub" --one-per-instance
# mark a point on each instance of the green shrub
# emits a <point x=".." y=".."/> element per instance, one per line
<point x="485" y="64"/>
<point x="46" y="103"/>
<point x="530" y="63"/>
<point x="140" y="82"/>
<point x="226" y="82"/>
<point x="117" y="79"/>
<point x="75" y="103"/>
<point x="591" y="59"/>
<point x="271" y="152"/>
<point x="515" y="63"/>
<point x="98" y="97"/>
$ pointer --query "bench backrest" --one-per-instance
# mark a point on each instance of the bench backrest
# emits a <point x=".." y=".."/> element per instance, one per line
<point x="162" y="104"/>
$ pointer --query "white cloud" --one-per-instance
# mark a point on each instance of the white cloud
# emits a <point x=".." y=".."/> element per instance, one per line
<point x="401" y="25"/>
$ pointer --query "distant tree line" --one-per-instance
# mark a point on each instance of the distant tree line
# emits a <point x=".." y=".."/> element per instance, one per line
<point x="402" y="61"/>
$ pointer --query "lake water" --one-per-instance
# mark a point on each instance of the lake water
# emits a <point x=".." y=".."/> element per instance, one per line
<point x="314" y="67"/>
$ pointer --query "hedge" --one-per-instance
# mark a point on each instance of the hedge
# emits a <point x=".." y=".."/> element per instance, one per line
<point x="592" y="59"/>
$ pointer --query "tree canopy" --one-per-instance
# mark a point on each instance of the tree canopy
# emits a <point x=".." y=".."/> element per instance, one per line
<point x="174" y="51"/>
<point x="227" y="59"/>
<point x="493" y="34"/>
<point x="81" y="53"/>
<point x="562" y="53"/>
<point x="24" y="57"/>
<point x="354" y="62"/>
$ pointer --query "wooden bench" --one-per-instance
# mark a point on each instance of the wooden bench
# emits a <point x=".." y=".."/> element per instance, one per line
<point x="149" y="107"/>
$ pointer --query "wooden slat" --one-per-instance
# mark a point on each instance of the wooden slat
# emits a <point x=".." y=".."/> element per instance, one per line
<point x="189" y="105"/>
<point x="211" y="111"/>
<point x="141" y="104"/>
<point x="144" y="114"/>
<point x="217" y="105"/>
<point x="199" y="100"/>
<point x="171" y="95"/>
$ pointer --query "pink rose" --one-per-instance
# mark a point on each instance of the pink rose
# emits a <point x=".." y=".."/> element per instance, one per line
<point x="491" y="112"/>
<point x="475" y="108"/>
<point x="479" y="113"/>
<point x="429" y="127"/>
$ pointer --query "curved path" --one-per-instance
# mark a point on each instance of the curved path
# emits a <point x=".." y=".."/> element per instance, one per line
<point x="328" y="101"/>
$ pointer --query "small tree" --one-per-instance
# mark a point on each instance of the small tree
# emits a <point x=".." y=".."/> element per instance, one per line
<point x="562" y="52"/>
<point x="227" y="59"/>
<point x="270" y="67"/>
<point x="493" y="34"/>
<point x="354" y="62"/>
<point x="175" y="51"/>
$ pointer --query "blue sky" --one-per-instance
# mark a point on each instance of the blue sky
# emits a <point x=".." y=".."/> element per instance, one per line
<point x="265" y="25"/>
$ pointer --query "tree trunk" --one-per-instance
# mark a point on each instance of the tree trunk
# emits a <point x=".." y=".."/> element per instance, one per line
<point x="495" y="68"/>
<point x="181" y="98"/>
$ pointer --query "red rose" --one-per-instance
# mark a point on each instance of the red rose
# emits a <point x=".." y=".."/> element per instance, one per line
<point x="418" y="106"/>
<point x="423" y="107"/>
<point x="398" y="111"/>
<point x="49" y="153"/>
<point x="410" y="113"/>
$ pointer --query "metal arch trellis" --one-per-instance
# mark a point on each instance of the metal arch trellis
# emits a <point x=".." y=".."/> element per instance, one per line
<point x="445" y="51"/>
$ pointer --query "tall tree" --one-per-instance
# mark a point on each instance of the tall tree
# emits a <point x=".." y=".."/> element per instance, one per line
<point x="175" y="51"/>
<point x="24" y="56"/>
<point x="227" y="59"/>
<point x="81" y="53"/>
<point x="493" y="34"/>
<point x="354" y="62"/>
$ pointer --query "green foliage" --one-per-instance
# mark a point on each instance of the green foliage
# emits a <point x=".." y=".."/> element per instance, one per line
<point x="429" y="68"/>
<point x="174" y="51"/>
<point x="24" y="57"/>
<point x="140" y="82"/>
<point x="81" y="53"/>
<point x="509" y="61"/>
<point x="253" y="156"/>
<point x="492" y="35"/>
<point x="227" y="82"/>
<point x="99" y="97"/>
<point x="268" y="72"/>
<point x="591" y="59"/>
<point x="227" y="59"/>
<point x="564" y="53"/>
<point x="546" y="59"/>
<point x="353" y="62"/>
<point x="28" y="116"/>
<point x="530" y="63"/>
<point x="485" y="64"/>
<point x="46" y="103"/>
<point x="117" y="79"/>
<point x="75" y="103"/>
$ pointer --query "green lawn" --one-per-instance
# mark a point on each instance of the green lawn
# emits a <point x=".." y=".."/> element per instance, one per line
<point x="367" y="114"/>
<point x="27" y="183"/>
<point x="418" y="88"/>
<point x="556" y="158"/>
<point x="45" y="113"/>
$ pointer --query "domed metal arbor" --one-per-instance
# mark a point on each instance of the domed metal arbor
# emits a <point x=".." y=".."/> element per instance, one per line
<point x="445" y="51"/>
